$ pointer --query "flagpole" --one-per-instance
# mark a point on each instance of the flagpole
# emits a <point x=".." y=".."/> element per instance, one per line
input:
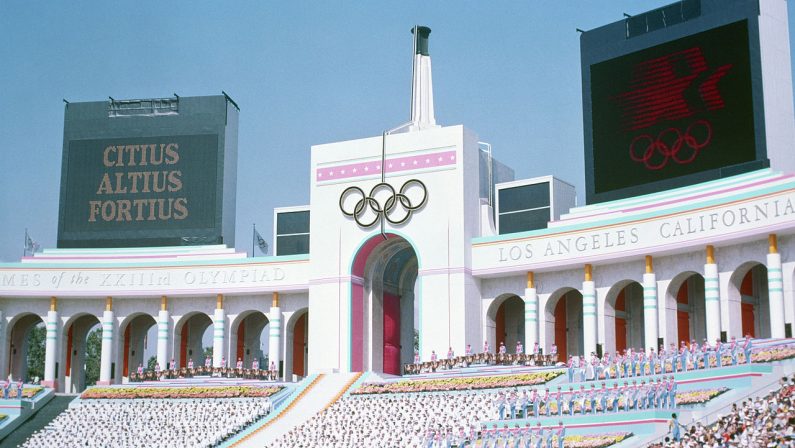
<point x="25" y="244"/>
<point x="253" y="233"/>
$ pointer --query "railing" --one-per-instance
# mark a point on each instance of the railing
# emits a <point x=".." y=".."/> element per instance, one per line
<point x="666" y="16"/>
<point x="148" y="107"/>
<point x="711" y="417"/>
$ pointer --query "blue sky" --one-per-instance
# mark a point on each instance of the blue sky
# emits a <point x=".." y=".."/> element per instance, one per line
<point x="303" y="73"/>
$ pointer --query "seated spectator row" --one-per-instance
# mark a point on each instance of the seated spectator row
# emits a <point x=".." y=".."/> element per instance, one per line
<point x="503" y="359"/>
<point x="659" y="394"/>
<point x="219" y="372"/>
<point x="405" y="420"/>
<point x="150" y="423"/>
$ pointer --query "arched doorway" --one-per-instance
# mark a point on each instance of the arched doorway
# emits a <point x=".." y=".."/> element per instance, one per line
<point x="82" y="341"/>
<point x="246" y="338"/>
<point x="382" y="304"/>
<point x="298" y="337"/>
<point x="624" y="318"/>
<point x="750" y="282"/>
<point x="135" y="343"/>
<point x="563" y="323"/>
<point x="26" y="346"/>
<point x="506" y="317"/>
<point x="691" y="317"/>
<point x="190" y="333"/>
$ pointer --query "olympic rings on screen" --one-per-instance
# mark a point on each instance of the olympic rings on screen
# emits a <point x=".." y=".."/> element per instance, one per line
<point x="388" y="206"/>
<point x="671" y="144"/>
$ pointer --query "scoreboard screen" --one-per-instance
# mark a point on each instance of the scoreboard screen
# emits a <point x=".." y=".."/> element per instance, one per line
<point x="148" y="173"/>
<point x="676" y="109"/>
<point x="149" y="184"/>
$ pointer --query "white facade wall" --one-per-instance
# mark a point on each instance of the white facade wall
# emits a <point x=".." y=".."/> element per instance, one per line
<point x="462" y="277"/>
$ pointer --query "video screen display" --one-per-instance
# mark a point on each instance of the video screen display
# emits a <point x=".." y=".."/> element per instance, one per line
<point x="672" y="110"/>
<point x="151" y="186"/>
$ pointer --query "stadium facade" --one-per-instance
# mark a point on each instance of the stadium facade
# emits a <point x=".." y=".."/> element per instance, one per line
<point x="421" y="230"/>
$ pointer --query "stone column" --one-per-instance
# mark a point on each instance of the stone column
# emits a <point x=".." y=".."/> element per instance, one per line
<point x="650" y="319"/>
<point x="275" y="335"/>
<point x="106" y="358"/>
<point x="219" y="319"/>
<point x="5" y="351"/>
<point x="51" y="346"/>
<point x="530" y="314"/>
<point x="588" y="312"/>
<point x="775" y="288"/>
<point x="712" y="296"/>
<point x="162" y="333"/>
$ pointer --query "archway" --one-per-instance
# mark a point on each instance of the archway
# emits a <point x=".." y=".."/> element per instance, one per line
<point x="246" y="338"/>
<point x="135" y="342"/>
<point x="82" y="343"/>
<point x="382" y="304"/>
<point x="563" y="322"/>
<point x="691" y="317"/>
<point x="624" y="317"/>
<point x="506" y="317"/>
<point x="190" y="334"/>
<point x="26" y="346"/>
<point x="749" y="282"/>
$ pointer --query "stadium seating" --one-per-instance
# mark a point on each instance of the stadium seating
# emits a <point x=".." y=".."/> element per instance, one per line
<point x="150" y="422"/>
<point x="477" y="405"/>
<point x="767" y="421"/>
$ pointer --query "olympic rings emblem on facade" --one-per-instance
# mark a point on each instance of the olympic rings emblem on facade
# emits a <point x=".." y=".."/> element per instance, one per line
<point x="383" y="203"/>
<point x="671" y="144"/>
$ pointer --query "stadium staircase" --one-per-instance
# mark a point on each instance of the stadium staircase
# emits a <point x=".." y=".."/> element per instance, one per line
<point x="39" y="420"/>
<point x="314" y="394"/>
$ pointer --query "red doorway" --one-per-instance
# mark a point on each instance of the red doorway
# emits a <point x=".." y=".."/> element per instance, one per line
<point x="183" y="346"/>
<point x="499" y="327"/>
<point x="621" y="323"/>
<point x="126" y="368"/>
<point x="747" y="309"/>
<point x="391" y="334"/>
<point x="683" y="317"/>
<point x="560" y="329"/>
<point x="241" y="340"/>
<point x="621" y="334"/>
<point x="748" y="319"/>
<point x="683" y="326"/>
<point x="299" y="343"/>
<point x="69" y="351"/>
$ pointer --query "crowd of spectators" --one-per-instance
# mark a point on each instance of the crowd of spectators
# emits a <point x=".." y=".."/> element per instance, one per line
<point x="150" y="423"/>
<point x="254" y="372"/>
<point x="486" y="357"/>
<point x="654" y="395"/>
<point x="442" y="419"/>
<point x="631" y="363"/>
<point x="767" y="421"/>
<point x="405" y="420"/>
<point x="625" y="364"/>
<point x="8" y="387"/>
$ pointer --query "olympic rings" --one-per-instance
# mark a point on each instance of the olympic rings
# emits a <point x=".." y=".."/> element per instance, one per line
<point x="671" y="144"/>
<point x="382" y="206"/>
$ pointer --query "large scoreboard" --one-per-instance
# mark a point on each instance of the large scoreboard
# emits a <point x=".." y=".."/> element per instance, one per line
<point x="676" y="96"/>
<point x="155" y="172"/>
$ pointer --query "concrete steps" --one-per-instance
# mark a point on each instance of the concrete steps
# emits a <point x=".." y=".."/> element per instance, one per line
<point x="38" y="421"/>
<point x="316" y="396"/>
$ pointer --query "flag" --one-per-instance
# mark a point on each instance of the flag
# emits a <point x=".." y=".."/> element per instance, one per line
<point x="30" y="245"/>
<point x="261" y="243"/>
